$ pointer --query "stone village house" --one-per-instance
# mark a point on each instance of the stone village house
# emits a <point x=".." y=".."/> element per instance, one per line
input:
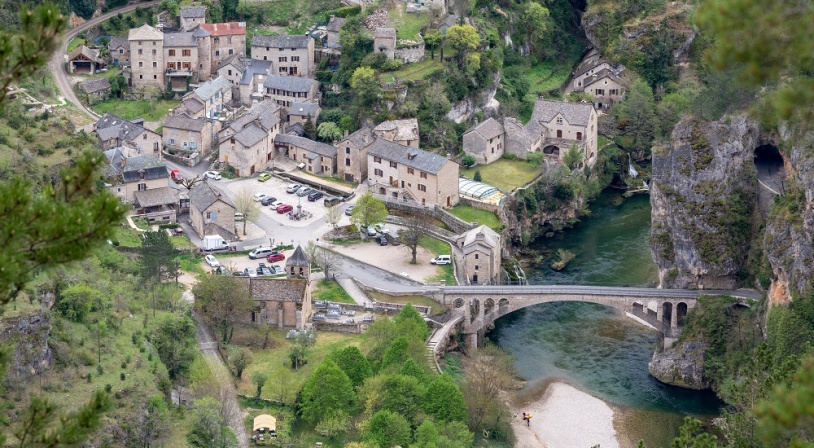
<point x="286" y="90"/>
<point x="211" y="212"/>
<point x="481" y="249"/>
<point x="95" y="90"/>
<point x="485" y="141"/>
<point x="319" y="158"/>
<point x="113" y="131"/>
<point x="247" y="143"/>
<point x="352" y="155"/>
<point x="119" y="50"/>
<point x="84" y="60"/>
<point x="403" y="132"/>
<point x="384" y="41"/>
<point x="290" y="55"/>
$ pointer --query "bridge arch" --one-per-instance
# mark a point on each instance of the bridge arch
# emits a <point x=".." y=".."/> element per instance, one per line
<point x="488" y="305"/>
<point x="666" y="312"/>
<point x="681" y="313"/>
<point x="474" y="309"/>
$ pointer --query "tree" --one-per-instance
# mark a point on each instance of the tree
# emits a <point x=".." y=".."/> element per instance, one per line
<point x="411" y="368"/>
<point x="369" y="210"/>
<point x="387" y="428"/>
<point x="432" y="39"/>
<point x="468" y="161"/>
<point x="477" y="177"/>
<point x="333" y="424"/>
<point x="464" y="39"/>
<point x="150" y="423"/>
<point x="636" y="117"/>
<point x="230" y="10"/>
<point x="329" y="132"/>
<point x="282" y="384"/>
<point x="572" y="157"/>
<point x="332" y="215"/>
<point x="366" y="84"/>
<point x="37" y="423"/>
<point x="448" y="435"/>
<point x="691" y="435"/>
<point x="117" y="86"/>
<point x="174" y="342"/>
<point x="308" y="128"/>
<point x="444" y="401"/>
<point x="157" y="255"/>
<point x="325" y="259"/>
<point x="353" y="363"/>
<point x="396" y="393"/>
<point x="76" y="302"/>
<point x="317" y="400"/>
<point x="785" y="418"/>
<point x="246" y="205"/>
<point x="415" y="227"/>
<point x="240" y="358"/>
<point x="535" y="21"/>
<point x="209" y="427"/>
<point x="259" y="379"/>
<point x="411" y="324"/>
<point x="83" y="8"/>
<point x="222" y="300"/>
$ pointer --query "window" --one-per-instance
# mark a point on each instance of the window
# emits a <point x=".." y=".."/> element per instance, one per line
<point x="140" y="76"/>
<point x="579" y="135"/>
<point x="410" y="171"/>
<point x="422" y="187"/>
<point x="347" y="162"/>
<point x="295" y="59"/>
<point x="600" y="91"/>
<point x="139" y="51"/>
<point x="140" y="64"/>
<point x="230" y="73"/>
<point x="476" y="267"/>
<point x="559" y="120"/>
<point x="377" y="159"/>
<point x="614" y="92"/>
<point x="423" y="175"/>
<point x="155" y="64"/>
<point x="217" y="52"/>
<point x="171" y="65"/>
<point x="282" y="59"/>
<point x="186" y="52"/>
<point x="155" y="76"/>
<point x="283" y="69"/>
<point x="231" y="51"/>
<point x="121" y="51"/>
<point x="292" y="70"/>
<point x="142" y="187"/>
<point x="217" y="40"/>
<point x="153" y="51"/>
<point x="172" y="141"/>
<point x="476" y="256"/>
<point x="139" y="43"/>
<point x="394" y="165"/>
<point x="229" y="40"/>
<point x="144" y="137"/>
<point x="208" y="215"/>
<point x="347" y="149"/>
<point x="187" y="65"/>
<point x="378" y="172"/>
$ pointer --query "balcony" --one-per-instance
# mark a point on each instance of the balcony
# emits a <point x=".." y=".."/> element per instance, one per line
<point x="182" y="72"/>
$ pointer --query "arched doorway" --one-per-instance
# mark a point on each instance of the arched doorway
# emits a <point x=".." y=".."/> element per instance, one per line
<point x="667" y="313"/>
<point x="551" y="150"/>
<point x="770" y="169"/>
<point x="681" y="313"/>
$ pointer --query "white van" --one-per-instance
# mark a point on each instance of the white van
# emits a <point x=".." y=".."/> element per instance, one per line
<point x="261" y="252"/>
<point x="442" y="259"/>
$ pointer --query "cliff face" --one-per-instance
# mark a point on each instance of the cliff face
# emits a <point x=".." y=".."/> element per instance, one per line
<point x="702" y="195"/>
<point x="31" y="352"/>
<point x="681" y="366"/>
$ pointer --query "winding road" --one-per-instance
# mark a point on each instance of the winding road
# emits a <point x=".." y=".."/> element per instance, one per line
<point x="57" y="62"/>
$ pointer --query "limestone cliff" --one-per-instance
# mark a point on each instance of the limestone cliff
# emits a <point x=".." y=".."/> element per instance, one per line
<point x="681" y="365"/>
<point x="702" y="196"/>
<point x="31" y="352"/>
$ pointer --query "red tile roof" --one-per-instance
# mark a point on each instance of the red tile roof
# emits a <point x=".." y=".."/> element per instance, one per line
<point x="225" y="29"/>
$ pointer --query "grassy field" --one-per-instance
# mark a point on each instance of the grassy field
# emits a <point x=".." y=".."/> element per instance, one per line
<point x="439" y="247"/>
<point x="150" y="110"/>
<point x="407" y="25"/>
<point x="437" y="308"/>
<point x="472" y="214"/>
<point x="331" y="291"/>
<point x="75" y="42"/>
<point x="505" y="174"/>
<point x="419" y="70"/>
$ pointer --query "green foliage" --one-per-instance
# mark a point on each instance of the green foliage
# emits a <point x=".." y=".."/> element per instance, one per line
<point x="366" y="84"/>
<point x="448" y="435"/>
<point x="240" y="359"/>
<point x="535" y="20"/>
<point x="317" y="399"/>
<point x="369" y="210"/>
<point x="157" y="256"/>
<point x="477" y="177"/>
<point x="444" y="401"/>
<point x="635" y="116"/>
<point x="76" y="302"/>
<point x="786" y="418"/>
<point x="83" y="8"/>
<point x="222" y="301"/>
<point x="353" y="363"/>
<point x="691" y="435"/>
<point x="38" y="422"/>
<point x="209" y="425"/>
<point x="411" y="368"/>
<point x="573" y="156"/>
<point x="410" y="323"/>
<point x="259" y="379"/>
<point x="329" y="131"/>
<point x="387" y="428"/>
<point x="468" y="161"/>
<point x="308" y="128"/>
<point x="174" y="341"/>
<point x="396" y="393"/>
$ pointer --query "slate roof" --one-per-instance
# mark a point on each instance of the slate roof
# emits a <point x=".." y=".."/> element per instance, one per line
<point x="304" y="109"/>
<point x="489" y="129"/>
<point x="280" y="41"/>
<point x="307" y="144"/>
<point x="208" y="89"/>
<point x="265" y="112"/>
<point x="182" y="39"/>
<point x="110" y="126"/>
<point x="203" y="195"/>
<point x="88" y="53"/>
<point x="490" y="237"/>
<point x="577" y="114"/>
<point x="225" y="29"/>
<point x="255" y="68"/>
<point x="251" y="134"/>
<point x="384" y="33"/>
<point x="361" y="137"/>
<point x="282" y="289"/>
<point x="94" y="85"/>
<point x="335" y="24"/>
<point x="200" y="32"/>
<point x="184" y="122"/>
<point x="157" y="196"/>
<point x="145" y="32"/>
<point x="152" y="167"/>
<point x="115" y="157"/>
<point x="290" y="83"/>
<point x="193" y="105"/>
<point x="589" y="65"/>
<point x="412" y="157"/>
<point x="236" y="60"/>
<point x="298" y="258"/>
<point x="518" y="139"/>
<point x="406" y="129"/>
<point x="118" y="41"/>
<point x="295" y="129"/>
<point x="451" y="20"/>
<point x="600" y="75"/>
<point x="193" y="12"/>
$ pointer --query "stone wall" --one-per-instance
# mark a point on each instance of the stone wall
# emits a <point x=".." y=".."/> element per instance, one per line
<point x="456" y="224"/>
<point x="410" y="55"/>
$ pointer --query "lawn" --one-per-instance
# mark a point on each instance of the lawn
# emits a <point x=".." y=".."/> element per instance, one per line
<point x="407" y="25"/>
<point x="505" y="174"/>
<point x="190" y="262"/>
<point x="75" y="42"/>
<point x="472" y="214"/>
<point x="126" y="236"/>
<point x="332" y="292"/>
<point x="437" y="308"/>
<point x="150" y="110"/>
<point x="419" y="70"/>
<point x="435" y="245"/>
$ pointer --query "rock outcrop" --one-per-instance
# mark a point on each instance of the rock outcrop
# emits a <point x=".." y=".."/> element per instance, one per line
<point x="31" y="352"/>
<point x="682" y="365"/>
<point x="702" y="195"/>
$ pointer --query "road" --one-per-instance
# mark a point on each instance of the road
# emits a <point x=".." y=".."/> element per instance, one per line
<point x="57" y="62"/>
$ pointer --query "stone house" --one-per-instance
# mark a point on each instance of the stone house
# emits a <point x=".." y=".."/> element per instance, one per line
<point x="158" y="205"/>
<point x="181" y="60"/>
<point x="285" y="90"/>
<point x="284" y="303"/>
<point x="352" y="155"/>
<point x="211" y="212"/>
<point x="147" y="57"/>
<point x="334" y="26"/>
<point x="319" y="158"/>
<point x="299" y="112"/>
<point x="384" y="41"/>
<point x="518" y="141"/>
<point x="113" y="131"/>
<point x="247" y="143"/>
<point x="403" y="132"/>
<point x="227" y="39"/>
<point x="606" y="87"/>
<point x="233" y="68"/>
<point x="481" y="248"/>
<point x="251" y="85"/>
<point x="290" y="55"/>
<point x="192" y="16"/>
<point x="561" y="125"/>
<point x="485" y="141"/>
<point x="95" y="90"/>
<point x="408" y="173"/>
<point x="591" y="63"/>
<point x="129" y="175"/>
<point x="188" y="136"/>
<point x="119" y="50"/>
<point x="215" y="95"/>
<point x="84" y="60"/>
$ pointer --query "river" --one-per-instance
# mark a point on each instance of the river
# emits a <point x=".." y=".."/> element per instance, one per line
<point x="595" y="348"/>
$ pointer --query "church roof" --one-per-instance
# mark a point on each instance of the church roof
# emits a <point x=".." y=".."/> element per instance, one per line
<point x="298" y="258"/>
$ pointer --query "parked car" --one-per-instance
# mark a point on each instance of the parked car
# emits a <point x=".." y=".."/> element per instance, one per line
<point x="261" y="252"/>
<point x="292" y="188"/>
<point x="349" y="210"/>
<point x="212" y="175"/>
<point x="276" y="269"/>
<point x="264" y="270"/>
<point x="368" y="319"/>
<point x="301" y="166"/>
<point x="315" y="195"/>
<point x="268" y="200"/>
<point x="304" y="191"/>
<point x="331" y="201"/>
<point x="381" y="228"/>
<point x="285" y="208"/>
<point x="442" y="259"/>
<point x="333" y="315"/>
<point x="238" y="217"/>
<point x="318" y="317"/>
<point x="382" y="240"/>
<point x="264" y="176"/>
<point x="371" y="231"/>
<point x="349" y="313"/>
<point x="275" y="204"/>
<point x="249" y="272"/>
<point x="211" y="261"/>
<point x="275" y="256"/>
<point x="176" y="176"/>
<point x="259" y="196"/>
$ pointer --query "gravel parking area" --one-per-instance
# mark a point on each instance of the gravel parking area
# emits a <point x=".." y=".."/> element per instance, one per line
<point x="395" y="259"/>
<point x="236" y="263"/>
<point x="276" y="188"/>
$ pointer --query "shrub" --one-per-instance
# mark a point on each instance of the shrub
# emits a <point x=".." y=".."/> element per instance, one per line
<point x="468" y="161"/>
<point x="99" y="369"/>
<point x="122" y="376"/>
<point x="108" y="388"/>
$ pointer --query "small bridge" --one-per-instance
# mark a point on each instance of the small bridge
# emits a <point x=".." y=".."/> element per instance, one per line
<point x="480" y="306"/>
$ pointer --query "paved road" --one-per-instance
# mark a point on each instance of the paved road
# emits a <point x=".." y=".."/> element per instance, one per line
<point x="57" y="62"/>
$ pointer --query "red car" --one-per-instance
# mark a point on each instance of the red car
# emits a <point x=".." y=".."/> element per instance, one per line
<point x="275" y="256"/>
<point x="285" y="208"/>
<point x="176" y="176"/>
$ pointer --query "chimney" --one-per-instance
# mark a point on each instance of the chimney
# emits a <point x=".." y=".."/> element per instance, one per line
<point x="346" y="131"/>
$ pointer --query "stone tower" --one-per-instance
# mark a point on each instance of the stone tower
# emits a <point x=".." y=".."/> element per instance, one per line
<point x="298" y="265"/>
<point x="204" y="41"/>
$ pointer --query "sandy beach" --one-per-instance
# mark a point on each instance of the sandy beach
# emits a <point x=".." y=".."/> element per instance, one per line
<point x="565" y="417"/>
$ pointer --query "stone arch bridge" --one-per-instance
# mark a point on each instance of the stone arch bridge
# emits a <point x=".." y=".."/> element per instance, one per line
<point x="480" y="306"/>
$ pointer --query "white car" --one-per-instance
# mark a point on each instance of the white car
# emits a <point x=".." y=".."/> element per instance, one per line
<point x="238" y="217"/>
<point x="275" y="204"/>
<point x="442" y="259"/>
<point x="212" y="175"/>
<point x="212" y="261"/>
<point x="258" y="196"/>
<point x="250" y="272"/>
<point x="381" y="228"/>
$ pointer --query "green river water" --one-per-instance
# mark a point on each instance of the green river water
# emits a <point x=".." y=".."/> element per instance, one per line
<point x="595" y="348"/>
